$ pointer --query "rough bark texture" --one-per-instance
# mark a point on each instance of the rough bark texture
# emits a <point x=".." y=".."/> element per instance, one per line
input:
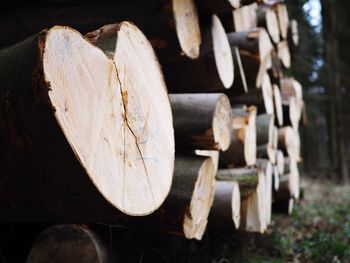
<point x="212" y="71"/>
<point x="201" y="121"/>
<point x="155" y="18"/>
<point x="187" y="206"/>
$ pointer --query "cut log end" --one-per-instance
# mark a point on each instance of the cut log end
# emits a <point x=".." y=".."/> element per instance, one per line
<point x="283" y="19"/>
<point x="222" y="53"/>
<point x="272" y="25"/>
<point x="196" y="218"/>
<point x="236" y="205"/>
<point x="267" y="94"/>
<point x="222" y="123"/>
<point x="250" y="137"/>
<point x="283" y="53"/>
<point x="67" y="243"/>
<point x="113" y="134"/>
<point x="187" y="27"/>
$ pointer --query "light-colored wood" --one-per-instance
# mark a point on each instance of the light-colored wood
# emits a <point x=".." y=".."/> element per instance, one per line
<point x="214" y="155"/>
<point x="267" y="18"/>
<point x="185" y="210"/>
<point x="276" y="178"/>
<point x="283" y="53"/>
<point x="245" y="18"/>
<point x="71" y="244"/>
<point x="288" y="142"/>
<point x="278" y="104"/>
<point x="242" y="150"/>
<point x="275" y="138"/>
<point x="265" y="167"/>
<point x="292" y="110"/>
<point x="145" y="152"/>
<point x="253" y="209"/>
<point x="187" y="27"/>
<point x="255" y="50"/>
<point x="196" y="219"/>
<point x="212" y="71"/>
<point x="283" y="18"/>
<point x="98" y="133"/>
<point x="291" y="88"/>
<point x="201" y="121"/>
<point x="280" y="160"/>
<point x="267" y="93"/>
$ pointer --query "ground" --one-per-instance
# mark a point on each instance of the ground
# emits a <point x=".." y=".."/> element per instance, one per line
<point x="317" y="231"/>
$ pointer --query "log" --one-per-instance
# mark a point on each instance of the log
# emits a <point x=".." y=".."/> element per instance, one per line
<point x="278" y="105"/>
<point x="64" y="114"/>
<point x="253" y="209"/>
<point x="292" y="112"/>
<point x="186" y="209"/>
<point x="212" y="71"/>
<point x="172" y="26"/>
<point x="283" y="18"/>
<point x="294" y="179"/>
<point x="201" y="121"/>
<point x="275" y="138"/>
<point x="255" y="47"/>
<point x="69" y="243"/>
<point x="240" y="85"/>
<point x="291" y="88"/>
<point x="242" y="150"/>
<point x="266" y="168"/>
<point x="276" y="70"/>
<point x="283" y="53"/>
<point x="276" y="178"/>
<point x="225" y="212"/>
<point x="287" y="141"/>
<point x="261" y="98"/>
<point x="214" y="155"/>
<point x="267" y="18"/>
<point x="280" y="162"/>
<point x="264" y="129"/>
<point x="265" y="151"/>
<point x="245" y="18"/>
<point x="246" y="177"/>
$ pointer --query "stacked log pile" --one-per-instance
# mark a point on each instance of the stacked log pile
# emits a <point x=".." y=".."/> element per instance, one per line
<point x="181" y="118"/>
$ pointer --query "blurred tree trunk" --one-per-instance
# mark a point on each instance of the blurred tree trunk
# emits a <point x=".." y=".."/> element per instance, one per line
<point x="331" y="35"/>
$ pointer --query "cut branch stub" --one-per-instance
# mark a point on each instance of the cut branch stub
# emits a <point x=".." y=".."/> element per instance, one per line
<point x="201" y="121"/>
<point x="293" y="35"/>
<point x="149" y="142"/>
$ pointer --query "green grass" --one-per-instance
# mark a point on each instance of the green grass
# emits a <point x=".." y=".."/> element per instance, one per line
<point x="317" y="231"/>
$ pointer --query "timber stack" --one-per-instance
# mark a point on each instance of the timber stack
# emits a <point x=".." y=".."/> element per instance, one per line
<point x="168" y="116"/>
